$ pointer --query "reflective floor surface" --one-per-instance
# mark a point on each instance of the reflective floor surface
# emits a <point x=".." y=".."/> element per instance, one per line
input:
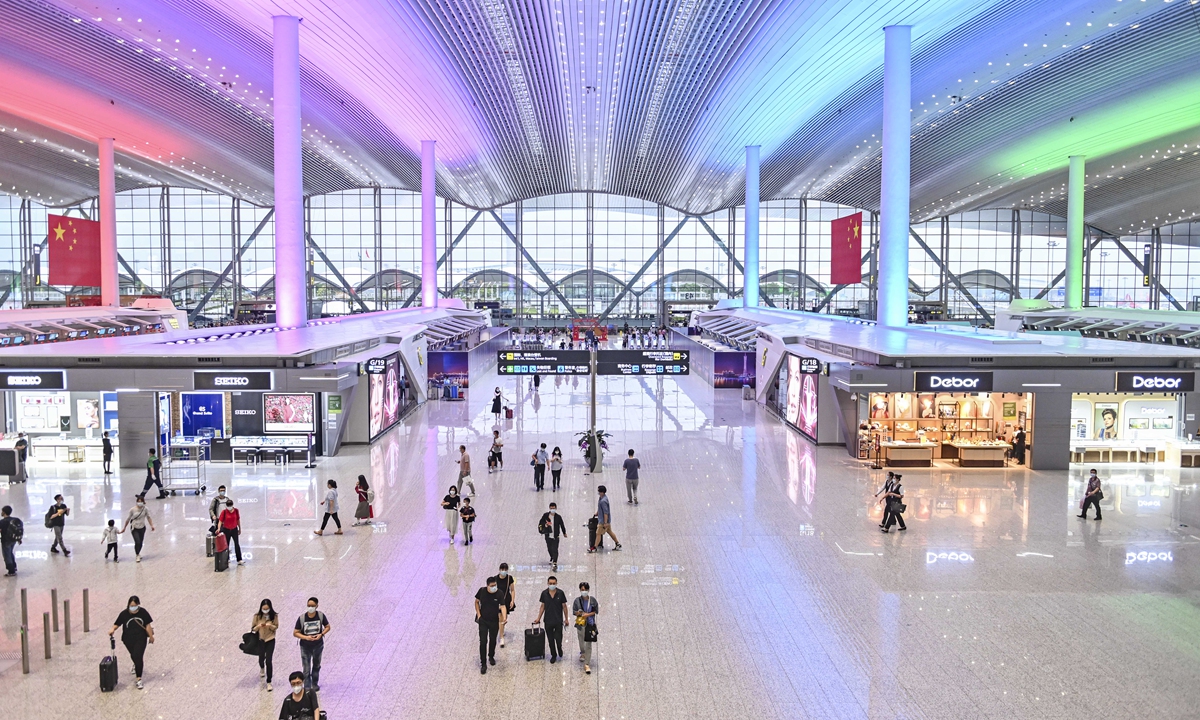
<point x="754" y="581"/>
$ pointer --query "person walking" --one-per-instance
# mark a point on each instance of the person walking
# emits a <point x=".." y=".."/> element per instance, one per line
<point x="109" y="539"/>
<point x="107" y="453"/>
<point x="496" y="453"/>
<point x="137" y="629"/>
<point x="894" y="502"/>
<point x="467" y="513"/>
<point x="363" y="513"/>
<point x="464" y="469"/>
<point x="507" y="585"/>
<point x="604" y="520"/>
<point x="12" y="533"/>
<point x="556" y="466"/>
<point x="497" y="400"/>
<point x="450" y="504"/>
<point x="585" y="608"/>
<point x="554" y="607"/>
<point x="539" y="467"/>
<point x="266" y="623"/>
<point x="1092" y="496"/>
<point x="550" y="526"/>
<point x="136" y="521"/>
<point x="1018" y="446"/>
<point x="331" y="509"/>
<point x="56" y="520"/>
<point x="311" y="629"/>
<point x="631" y="466"/>
<point x="301" y="704"/>
<point x="230" y="521"/>
<point x="489" y="614"/>
<point x="154" y="475"/>
<point x="214" y="508"/>
<point x="887" y="487"/>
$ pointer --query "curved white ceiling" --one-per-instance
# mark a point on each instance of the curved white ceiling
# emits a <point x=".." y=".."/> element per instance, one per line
<point x="649" y="99"/>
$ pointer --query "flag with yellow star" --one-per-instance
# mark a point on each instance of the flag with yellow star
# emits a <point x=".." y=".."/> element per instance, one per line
<point x="74" y="246"/>
<point x="846" y="256"/>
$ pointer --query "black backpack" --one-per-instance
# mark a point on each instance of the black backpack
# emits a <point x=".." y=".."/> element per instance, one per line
<point x="49" y="514"/>
<point x="14" y="530"/>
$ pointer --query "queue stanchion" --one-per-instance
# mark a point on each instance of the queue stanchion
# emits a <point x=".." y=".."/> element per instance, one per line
<point x="46" y="632"/>
<point x="24" y="649"/>
<point x="54" y="607"/>
<point x="87" y="626"/>
<point x="67" y="621"/>
<point x="25" y="607"/>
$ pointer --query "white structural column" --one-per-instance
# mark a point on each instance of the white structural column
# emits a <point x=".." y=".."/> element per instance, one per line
<point x="894" y="190"/>
<point x="291" y="287"/>
<point x="1074" y="277"/>
<point x="110" y="288"/>
<point x="429" y="292"/>
<point x="750" y="279"/>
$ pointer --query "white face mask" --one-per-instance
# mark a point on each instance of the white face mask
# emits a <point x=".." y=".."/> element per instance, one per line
<point x="551" y="587"/>
<point x="503" y="573"/>
<point x="133" y="608"/>
<point x="297" y="689"/>
<point x="312" y="610"/>
<point x="584" y="593"/>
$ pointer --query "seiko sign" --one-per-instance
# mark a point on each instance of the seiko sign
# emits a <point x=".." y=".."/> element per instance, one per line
<point x="1156" y="381"/>
<point x="33" y="379"/>
<point x="953" y="381"/>
<point x="249" y="380"/>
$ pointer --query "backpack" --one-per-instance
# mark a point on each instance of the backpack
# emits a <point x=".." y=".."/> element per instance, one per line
<point x="14" y="530"/>
<point x="49" y="514"/>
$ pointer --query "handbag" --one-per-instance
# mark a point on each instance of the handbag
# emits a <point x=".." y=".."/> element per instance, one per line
<point x="899" y="508"/>
<point x="251" y="643"/>
<point x="590" y="633"/>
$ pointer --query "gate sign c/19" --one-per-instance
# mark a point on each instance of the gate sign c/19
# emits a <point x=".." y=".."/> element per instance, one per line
<point x="643" y="362"/>
<point x="544" y="362"/>
<point x="952" y="381"/>
<point x="1156" y="381"/>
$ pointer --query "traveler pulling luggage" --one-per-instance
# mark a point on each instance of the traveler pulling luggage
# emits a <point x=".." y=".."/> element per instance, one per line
<point x="508" y="413"/>
<point x="108" y="668"/>
<point x="221" y="553"/>
<point x="535" y="643"/>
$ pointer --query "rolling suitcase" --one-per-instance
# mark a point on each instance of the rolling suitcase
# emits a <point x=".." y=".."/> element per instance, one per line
<point x="221" y="553"/>
<point x="508" y="413"/>
<point x="591" y="526"/>
<point x="108" y="669"/>
<point x="535" y="643"/>
<point x="209" y="545"/>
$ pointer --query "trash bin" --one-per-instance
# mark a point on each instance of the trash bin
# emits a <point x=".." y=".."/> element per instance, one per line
<point x="747" y="392"/>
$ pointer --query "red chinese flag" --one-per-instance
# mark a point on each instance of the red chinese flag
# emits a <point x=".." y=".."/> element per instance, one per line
<point x="846" y="255"/>
<point x="74" y="251"/>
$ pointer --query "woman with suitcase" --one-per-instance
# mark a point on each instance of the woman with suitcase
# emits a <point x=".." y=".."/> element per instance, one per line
<point x="497" y="400"/>
<point x="136" y="630"/>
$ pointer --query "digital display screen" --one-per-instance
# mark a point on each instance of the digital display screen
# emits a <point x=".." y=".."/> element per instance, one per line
<point x="544" y="362"/>
<point x="289" y="413"/>
<point x="389" y="393"/>
<point x="801" y="397"/>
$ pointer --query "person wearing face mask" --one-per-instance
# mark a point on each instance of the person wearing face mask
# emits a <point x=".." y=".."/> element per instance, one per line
<point x="496" y="453"/>
<point x="331" y="509"/>
<point x="231" y="526"/>
<point x="214" y="508"/>
<point x="550" y="526"/>
<point x="1091" y="497"/>
<point x="507" y="588"/>
<point x="554" y="607"/>
<point x="489" y="614"/>
<point x="136" y="630"/>
<point x="265" y="622"/>
<point x="585" y="608"/>
<point x="464" y="469"/>
<point x="137" y="520"/>
<point x="450" y="504"/>
<point x="302" y="704"/>
<point x="311" y="629"/>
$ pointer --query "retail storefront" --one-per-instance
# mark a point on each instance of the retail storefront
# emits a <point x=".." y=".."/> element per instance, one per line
<point x="61" y="425"/>
<point x="1144" y="420"/>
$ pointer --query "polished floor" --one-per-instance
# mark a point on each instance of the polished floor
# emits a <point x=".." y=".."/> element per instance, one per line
<point x="754" y="581"/>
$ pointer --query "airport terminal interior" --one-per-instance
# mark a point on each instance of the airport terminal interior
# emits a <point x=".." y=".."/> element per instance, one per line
<point x="833" y="359"/>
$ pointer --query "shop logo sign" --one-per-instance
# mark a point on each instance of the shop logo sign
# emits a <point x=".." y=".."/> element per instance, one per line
<point x="46" y="380"/>
<point x="226" y="381"/>
<point x="232" y="380"/>
<point x="24" y="380"/>
<point x="953" y="381"/>
<point x="1156" y="381"/>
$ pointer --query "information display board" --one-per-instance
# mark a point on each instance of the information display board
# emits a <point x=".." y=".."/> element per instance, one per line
<point x="544" y="362"/>
<point x="643" y="362"/>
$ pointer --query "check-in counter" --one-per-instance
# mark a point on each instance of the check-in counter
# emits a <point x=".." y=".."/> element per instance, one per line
<point x="977" y="455"/>
<point x="902" y="454"/>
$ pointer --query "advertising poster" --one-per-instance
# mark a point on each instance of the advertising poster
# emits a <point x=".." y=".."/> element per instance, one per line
<point x="793" y="389"/>
<point x="42" y="412"/>
<point x="202" y="414"/>
<point x="807" y="420"/>
<point x="450" y="368"/>
<point x="383" y="390"/>
<point x="1106" y="421"/>
<point x="289" y="413"/>
<point x="87" y="413"/>
<point x="733" y="369"/>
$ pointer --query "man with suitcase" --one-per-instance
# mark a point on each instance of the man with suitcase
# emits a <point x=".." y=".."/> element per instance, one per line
<point x="489" y="613"/>
<point x="550" y="526"/>
<point x="554" y="606"/>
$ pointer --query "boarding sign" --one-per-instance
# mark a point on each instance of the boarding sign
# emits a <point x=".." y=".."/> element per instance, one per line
<point x="544" y="362"/>
<point x="643" y="362"/>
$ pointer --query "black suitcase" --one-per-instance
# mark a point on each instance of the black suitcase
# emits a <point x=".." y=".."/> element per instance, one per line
<point x="591" y="526"/>
<point x="209" y="545"/>
<point x="108" y="669"/>
<point x="535" y="643"/>
<point x="221" y="561"/>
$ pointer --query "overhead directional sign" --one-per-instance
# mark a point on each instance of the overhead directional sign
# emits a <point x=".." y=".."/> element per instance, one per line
<point x="642" y="362"/>
<point x="544" y="362"/>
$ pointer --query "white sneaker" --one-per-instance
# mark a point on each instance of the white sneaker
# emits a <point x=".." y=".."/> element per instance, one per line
<point x="138" y="558"/>
<point x="139" y="684"/>
<point x="262" y="672"/>
<point x="241" y="562"/>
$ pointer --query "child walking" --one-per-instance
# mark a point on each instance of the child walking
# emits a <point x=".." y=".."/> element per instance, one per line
<point x="468" y="520"/>
<point x="110" y="539"/>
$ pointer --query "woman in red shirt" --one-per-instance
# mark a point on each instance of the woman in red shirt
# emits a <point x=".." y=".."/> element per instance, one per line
<point x="364" y="512"/>
<point x="230" y="522"/>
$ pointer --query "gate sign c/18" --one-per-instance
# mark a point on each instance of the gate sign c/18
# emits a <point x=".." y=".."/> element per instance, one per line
<point x="643" y="362"/>
<point x="544" y="362"/>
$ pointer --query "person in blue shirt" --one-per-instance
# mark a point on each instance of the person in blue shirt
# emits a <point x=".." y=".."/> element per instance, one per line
<point x="604" y="519"/>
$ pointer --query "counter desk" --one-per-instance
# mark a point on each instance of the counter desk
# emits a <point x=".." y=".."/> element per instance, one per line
<point x="900" y="454"/>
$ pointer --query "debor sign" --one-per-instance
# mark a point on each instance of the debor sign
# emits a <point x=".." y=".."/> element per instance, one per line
<point x="1156" y="381"/>
<point x="951" y="381"/>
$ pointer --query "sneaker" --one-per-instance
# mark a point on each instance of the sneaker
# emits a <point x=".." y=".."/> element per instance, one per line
<point x="138" y="558"/>
<point x="883" y="530"/>
<point x="139" y="684"/>
<point x="628" y="502"/>
<point x="66" y="553"/>
<point x="483" y="668"/>
<point x="618" y="546"/>
<point x="241" y="562"/>
<point x="270" y="687"/>
<point x="491" y="661"/>
<point x="635" y="502"/>
<point x="11" y="574"/>
<point x="262" y="673"/>
<point x="903" y="529"/>
<point x="587" y="669"/>
<point x="317" y="532"/>
<point x="54" y="550"/>
<point x="591" y="550"/>
<point x="116" y="560"/>
<point x="1082" y="516"/>
<point x="501" y="642"/>
<point x="1099" y="518"/>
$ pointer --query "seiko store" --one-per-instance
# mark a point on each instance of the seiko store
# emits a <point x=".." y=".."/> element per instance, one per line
<point x="60" y="424"/>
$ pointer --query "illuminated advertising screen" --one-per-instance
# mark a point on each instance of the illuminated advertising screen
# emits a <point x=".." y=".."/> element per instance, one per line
<point x="801" y="397"/>
<point x="383" y="393"/>
<point x="289" y="413"/>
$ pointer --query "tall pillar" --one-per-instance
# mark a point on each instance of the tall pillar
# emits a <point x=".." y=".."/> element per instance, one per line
<point x="110" y="288"/>
<point x="750" y="281"/>
<point x="1074" y="278"/>
<point x="894" y="189"/>
<point x="429" y="293"/>
<point x="291" y="287"/>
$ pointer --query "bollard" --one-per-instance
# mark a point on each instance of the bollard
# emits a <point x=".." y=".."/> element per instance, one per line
<point x="87" y="627"/>
<point x="67" y="621"/>
<point x="25" y="649"/>
<point x="54" y="607"/>
<point x="46" y="632"/>
<point x="24" y="607"/>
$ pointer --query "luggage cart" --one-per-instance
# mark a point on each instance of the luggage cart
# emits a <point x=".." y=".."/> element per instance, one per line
<point x="184" y="474"/>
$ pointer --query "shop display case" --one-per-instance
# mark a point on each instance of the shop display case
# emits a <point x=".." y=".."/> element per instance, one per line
<point x="977" y="424"/>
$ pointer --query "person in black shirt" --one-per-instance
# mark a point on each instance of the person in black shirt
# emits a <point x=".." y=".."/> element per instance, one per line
<point x="554" y="606"/>
<point x="551" y="525"/>
<point x="468" y="520"/>
<point x="489" y="613"/>
<point x="311" y="629"/>
<point x="154" y="474"/>
<point x="507" y="584"/>
<point x="136" y="631"/>
<point x="301" y="704"/>
<point x="108" y="453"/>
